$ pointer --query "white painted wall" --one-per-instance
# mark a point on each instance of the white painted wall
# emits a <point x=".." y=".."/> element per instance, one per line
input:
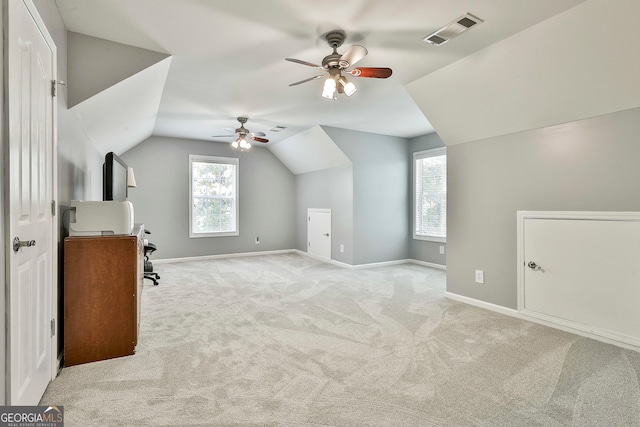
<point x="582" y="63"/>
<point x="309" y="151"/>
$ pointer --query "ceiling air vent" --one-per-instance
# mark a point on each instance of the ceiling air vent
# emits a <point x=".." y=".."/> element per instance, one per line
<point x="453" y="29"/>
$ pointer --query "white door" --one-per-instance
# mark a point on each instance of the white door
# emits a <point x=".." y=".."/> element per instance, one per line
<point x="31" y="70"/>
<point x="319" y="233"/>
<point x="584" y="273"/>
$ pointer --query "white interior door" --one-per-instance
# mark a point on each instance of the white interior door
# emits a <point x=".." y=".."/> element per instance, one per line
<point x="319" y="233"/>
<point x="31" y="70"/>
<point x="584" y="273"/>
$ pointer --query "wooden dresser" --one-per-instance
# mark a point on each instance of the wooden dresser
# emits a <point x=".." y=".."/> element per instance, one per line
<point x="103" y="278"/>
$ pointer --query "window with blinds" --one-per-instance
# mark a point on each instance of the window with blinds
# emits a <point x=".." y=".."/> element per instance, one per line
<point x="213" y="189"/>
<point x="430" y="197"/>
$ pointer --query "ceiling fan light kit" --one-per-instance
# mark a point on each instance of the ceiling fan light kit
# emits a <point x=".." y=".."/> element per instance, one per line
<point x="242" y="134"/>
<point x="334" y="64"/>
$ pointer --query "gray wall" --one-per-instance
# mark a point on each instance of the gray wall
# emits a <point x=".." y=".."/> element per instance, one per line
<point x="161" y="198"/>
<point x="329" y="189"/>
<point x="587" y="165"/>
<point x="380" y="194"/>
<point x="422" y="250"/>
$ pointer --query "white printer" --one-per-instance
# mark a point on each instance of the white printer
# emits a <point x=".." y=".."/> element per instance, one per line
<point x="100" y="218"/>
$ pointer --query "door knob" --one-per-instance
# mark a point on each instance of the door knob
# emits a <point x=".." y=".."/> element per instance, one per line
<point x="532" y="265"/>
<point x="17" y="244"/>
<point x="326" y="234"/>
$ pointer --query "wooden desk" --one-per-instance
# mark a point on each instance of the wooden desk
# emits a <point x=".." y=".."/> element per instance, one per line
<point x="102" y="294"/>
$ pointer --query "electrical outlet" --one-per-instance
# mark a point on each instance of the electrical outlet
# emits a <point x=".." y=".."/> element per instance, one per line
<point x="479" y="276"/>
<point x="441" y="250"/>
<point x="341" y="248"/>
<point x="257" y="240"/>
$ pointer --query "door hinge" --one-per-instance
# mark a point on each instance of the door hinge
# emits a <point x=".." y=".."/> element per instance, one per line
<point x="309" y="219"/>
<point x="53" y="208"/>
<point x="54" y="86"/>
<point x="53" y="327"/>
<point x="309" y="244"/>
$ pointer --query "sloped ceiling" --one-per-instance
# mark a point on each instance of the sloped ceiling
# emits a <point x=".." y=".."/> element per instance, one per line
<point x="581" y="63"/>
<point x="309" y="151"/>
<point x="94" y="65"/>
<point x="123" y="115"/>
<point x="228" y="57"/>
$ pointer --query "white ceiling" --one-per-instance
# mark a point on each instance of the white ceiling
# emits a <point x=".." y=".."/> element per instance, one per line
<point x="228" y="56"/>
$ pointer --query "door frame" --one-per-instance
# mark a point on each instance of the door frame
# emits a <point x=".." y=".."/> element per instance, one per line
<point x="573" y="327"/>
<point x="4" y="216"/>
<point x="320" y="210"/>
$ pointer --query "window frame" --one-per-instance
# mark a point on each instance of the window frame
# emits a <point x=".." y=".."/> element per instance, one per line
<point x="419" y="155"/>
<point x="198" y="158"/>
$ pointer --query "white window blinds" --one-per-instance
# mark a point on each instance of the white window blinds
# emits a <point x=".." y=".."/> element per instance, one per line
<point x="214" y="196"/>
<point x="430" y="199"/>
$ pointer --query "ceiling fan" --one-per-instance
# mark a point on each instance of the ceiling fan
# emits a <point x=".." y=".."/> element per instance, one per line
<point x="242" y="134"/>
<point x="335" y="63"/>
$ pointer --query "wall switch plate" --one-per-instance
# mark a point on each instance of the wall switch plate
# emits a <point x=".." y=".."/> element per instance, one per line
<point x="479" y="276"/>
<point x="341" y="248"/>
<point x="441" y="250"/>
<point x="257" y="240"/>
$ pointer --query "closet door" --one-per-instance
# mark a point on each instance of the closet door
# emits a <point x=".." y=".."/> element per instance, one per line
<point x="583" y="273"/>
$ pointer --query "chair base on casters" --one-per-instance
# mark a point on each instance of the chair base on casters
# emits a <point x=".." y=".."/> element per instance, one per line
<point x="150" y="248"/>
<point x="154" y="277"/>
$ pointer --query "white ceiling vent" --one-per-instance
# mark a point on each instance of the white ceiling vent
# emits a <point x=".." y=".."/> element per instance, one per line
<point x="453" y="29"/>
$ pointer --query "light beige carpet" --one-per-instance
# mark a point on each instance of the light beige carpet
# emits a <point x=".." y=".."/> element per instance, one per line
<point x="284" y="340"/>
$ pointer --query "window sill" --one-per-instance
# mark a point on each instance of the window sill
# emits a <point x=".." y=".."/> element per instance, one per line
<point x="430" y="239"/>
<point x="199" y="235"/>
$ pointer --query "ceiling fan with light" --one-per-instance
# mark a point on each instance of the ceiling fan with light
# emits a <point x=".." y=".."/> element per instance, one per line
<point x="334" y="65"/>
<point x="242" y="134"/>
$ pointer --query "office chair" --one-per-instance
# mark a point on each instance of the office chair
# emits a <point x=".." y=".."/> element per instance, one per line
<point x="149" y="248"/>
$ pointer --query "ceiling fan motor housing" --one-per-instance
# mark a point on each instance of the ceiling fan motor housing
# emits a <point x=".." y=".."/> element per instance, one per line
<point x="335" y="38"/>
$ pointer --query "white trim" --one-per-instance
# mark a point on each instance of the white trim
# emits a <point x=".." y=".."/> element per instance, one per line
<point x="325" y="211"/>
<point x="4" y="202"/>
<point x="552" y="321"/>
<point x="574" y="328"/>
<point x="431" y="152"/>
<point x="220" y="256"/>
<point x="427" y="238"/>
<point x="381" y="264"/>
<point x="235" y="161"/>
<point x="428" y="264"/>
<point x="44" y="32"/>
<point x="482" y="304"/>
<point x="299" y="252"/>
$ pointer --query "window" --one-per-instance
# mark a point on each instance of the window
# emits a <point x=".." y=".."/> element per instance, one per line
<point x="213" y="189"/>
<point x="430" y="201"/>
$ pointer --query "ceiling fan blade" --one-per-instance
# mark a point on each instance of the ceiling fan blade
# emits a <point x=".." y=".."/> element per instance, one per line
<point x="306" y="80"/>
<point x="373" y="72"/>
<point x="354" y="54"/>
<point x="258" y="139"/>
<point x="298" y="61"/>
<point x="257" y="134"/>
<point x="222" y="136"/>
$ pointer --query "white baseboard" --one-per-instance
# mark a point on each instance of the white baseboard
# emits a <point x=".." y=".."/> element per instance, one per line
<point x="482" y="304"/>
<point x="299" y="252"/>
<point x="428" y="264"/>
<point x="381" y="264"/>
<point x="598" y="335"/>
<point x="221" y="256"/>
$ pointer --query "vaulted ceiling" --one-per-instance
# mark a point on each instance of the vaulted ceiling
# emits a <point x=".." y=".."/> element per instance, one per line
<point x="222" y="59"/>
